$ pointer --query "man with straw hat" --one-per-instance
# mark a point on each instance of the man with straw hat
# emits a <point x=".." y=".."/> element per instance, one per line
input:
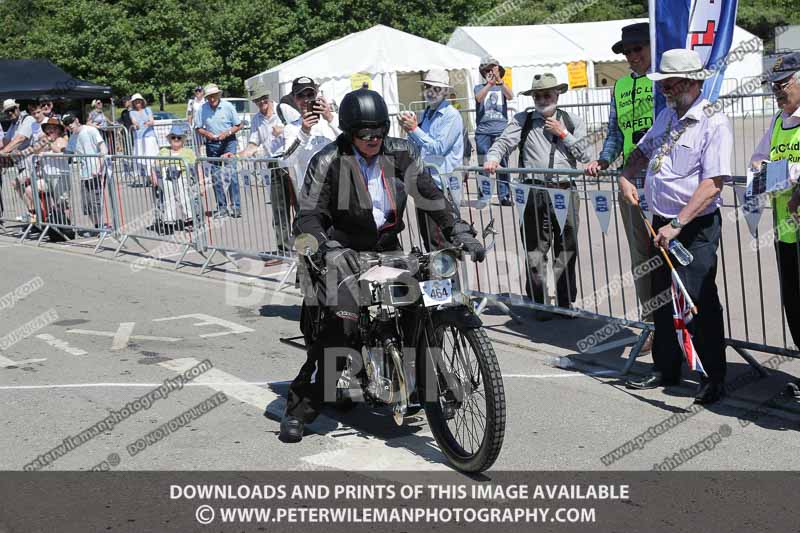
<point x="218" y="124"/>
<point x="687" y="154"/>
<point x="546" y="137"/>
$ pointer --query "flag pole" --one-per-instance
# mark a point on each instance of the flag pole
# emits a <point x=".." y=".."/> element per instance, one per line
<point x="669" y="262"/>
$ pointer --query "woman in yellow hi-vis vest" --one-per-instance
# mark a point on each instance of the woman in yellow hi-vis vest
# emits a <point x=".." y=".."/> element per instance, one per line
<point x="782" y="141"/>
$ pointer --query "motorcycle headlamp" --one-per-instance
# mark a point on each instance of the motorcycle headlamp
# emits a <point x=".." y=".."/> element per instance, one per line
<point x="443" y="265"/>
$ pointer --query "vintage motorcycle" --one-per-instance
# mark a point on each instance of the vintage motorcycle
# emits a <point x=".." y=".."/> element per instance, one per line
<point x="422" y="347"/>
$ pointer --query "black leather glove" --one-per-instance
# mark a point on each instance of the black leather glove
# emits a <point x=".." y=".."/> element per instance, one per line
<point x="470" y="245"/>
<point x="345" y="260"/>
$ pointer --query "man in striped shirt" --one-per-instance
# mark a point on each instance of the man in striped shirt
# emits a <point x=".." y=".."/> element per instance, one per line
<point x="687" y="153"/>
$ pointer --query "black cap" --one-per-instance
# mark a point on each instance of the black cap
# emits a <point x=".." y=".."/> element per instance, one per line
<point x="302" y="83"/>
<point x="785" y="66"/>
<point x="45" y="98"/>
<point x="638" y="33"/>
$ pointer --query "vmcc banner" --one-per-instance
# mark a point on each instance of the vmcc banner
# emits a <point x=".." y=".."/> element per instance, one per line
<point x="705" y="26"/>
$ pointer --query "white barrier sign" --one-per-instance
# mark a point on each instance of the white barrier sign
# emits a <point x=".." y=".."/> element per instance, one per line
<point x="454" y="184"/>
<point x="602" y="202"/>
<point x="750" y="207"/>
<point x="559" y="199"/>
<point x="520" y="193"/>
<point x="484" y="188"/>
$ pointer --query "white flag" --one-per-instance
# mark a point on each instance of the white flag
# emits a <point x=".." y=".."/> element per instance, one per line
<point x="454" y="184"/>
<point x="602" y="202"/>
<point x="644" y="205"/>
<point x="520" y="193"/>
<point x="484" y="188"/>
<point x="750" y="207"/>
<point x="559" y="199"/>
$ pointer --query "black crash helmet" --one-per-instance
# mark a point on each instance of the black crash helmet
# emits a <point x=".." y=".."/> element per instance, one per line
<point x="363" y="108"/>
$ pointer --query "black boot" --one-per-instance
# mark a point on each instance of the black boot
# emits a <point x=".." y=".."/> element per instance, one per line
<point x="291" y="429"/>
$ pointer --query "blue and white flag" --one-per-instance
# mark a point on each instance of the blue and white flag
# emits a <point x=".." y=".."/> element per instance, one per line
<point x="705" y="26"/>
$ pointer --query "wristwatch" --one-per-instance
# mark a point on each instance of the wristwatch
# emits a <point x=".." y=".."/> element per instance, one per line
<point x="675" y="223"/>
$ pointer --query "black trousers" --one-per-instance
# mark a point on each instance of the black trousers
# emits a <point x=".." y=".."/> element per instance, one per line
<point x="327" y="353"/>
<point x="701" y="237"/>
<point x="540" y="231"/>
<point x="789" y="272"/>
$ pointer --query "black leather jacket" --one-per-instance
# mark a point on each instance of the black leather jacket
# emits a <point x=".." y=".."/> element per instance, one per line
<point x="334" y="202"/>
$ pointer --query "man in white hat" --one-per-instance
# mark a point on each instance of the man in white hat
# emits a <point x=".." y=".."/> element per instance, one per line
<point x="546" y="137"/>
<point x="19" y="136"/>
<point x="267" y="140"/>
<point x="218" y="124"/>
<point x="440" y="139"/>
<point x="687" y="154"/>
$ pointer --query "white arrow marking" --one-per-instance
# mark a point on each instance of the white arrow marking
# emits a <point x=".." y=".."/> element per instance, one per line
<point x="60" y="344"/>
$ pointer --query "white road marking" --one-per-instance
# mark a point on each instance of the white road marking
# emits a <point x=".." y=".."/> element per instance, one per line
<point x="123" y="335"/>
<point x="124" y="385"/>
<point x="569" y="375"/>
<point x="208" y="320"/>
<point x="359" y="451"/>
<point x="5" y="362"/>
<point x="113" y="334"/>
<point x="61" y="344"/>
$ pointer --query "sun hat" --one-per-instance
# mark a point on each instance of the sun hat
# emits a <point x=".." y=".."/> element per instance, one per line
<point x="437" y="77"/>
<point x="543" y="82"/>
<point x="680" y="63"/>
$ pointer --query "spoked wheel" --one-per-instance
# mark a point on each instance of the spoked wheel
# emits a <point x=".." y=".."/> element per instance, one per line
<point x="462" y="393"/>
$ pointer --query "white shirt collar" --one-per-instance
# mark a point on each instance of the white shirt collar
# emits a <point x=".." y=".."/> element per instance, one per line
<point x="696" y="110"/>
<point x="796" y="113"/>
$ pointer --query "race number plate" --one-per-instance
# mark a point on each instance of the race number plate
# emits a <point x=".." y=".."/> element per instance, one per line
<point x="436" y="292"/>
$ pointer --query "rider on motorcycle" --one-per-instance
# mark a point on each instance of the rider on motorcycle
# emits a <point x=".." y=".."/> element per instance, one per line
<point x="352" y="200"/>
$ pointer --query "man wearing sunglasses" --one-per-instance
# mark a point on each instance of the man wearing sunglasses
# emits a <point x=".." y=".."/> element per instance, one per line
<point x="782" y="141"/>
<point x="629" y="118"/>
<point x="440" y="139"/>
<point x="314" y="127"/>
<point x="352" y="200"/>
<point x="687" y="154"/>
<point x="19" y="136"/>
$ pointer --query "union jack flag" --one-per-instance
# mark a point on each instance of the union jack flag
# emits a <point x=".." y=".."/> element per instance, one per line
<point x="682" y="315"/>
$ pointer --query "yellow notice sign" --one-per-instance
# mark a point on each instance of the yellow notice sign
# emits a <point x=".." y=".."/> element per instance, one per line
<point x="577" y="74"/>
<point x="507" y="78"/>
<point x="358" y="80"/>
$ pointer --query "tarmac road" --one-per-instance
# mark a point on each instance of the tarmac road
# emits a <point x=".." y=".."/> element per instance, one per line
<point x="111" y="335"/>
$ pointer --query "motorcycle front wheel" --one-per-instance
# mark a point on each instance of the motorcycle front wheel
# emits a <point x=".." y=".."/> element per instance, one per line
<point x="461" y="390"/>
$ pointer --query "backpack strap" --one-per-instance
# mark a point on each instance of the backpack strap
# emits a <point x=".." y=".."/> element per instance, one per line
<point x="526" y="130"/>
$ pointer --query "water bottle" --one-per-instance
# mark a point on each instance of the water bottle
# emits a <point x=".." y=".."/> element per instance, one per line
<point x="680" y="253"/>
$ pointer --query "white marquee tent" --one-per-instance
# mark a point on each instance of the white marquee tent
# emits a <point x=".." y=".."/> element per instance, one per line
<point x="392" y="60"/>
<point x="531" y="49"/>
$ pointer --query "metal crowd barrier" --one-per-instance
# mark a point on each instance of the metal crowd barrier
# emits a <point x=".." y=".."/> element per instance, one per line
<point x="118" y="139"/>
<point x="165" y="209"/>
<point x="71" y="194"/>
<point x="245" y="207"/>
<point x="747" y="277"/>
<point x="14" y="210"/>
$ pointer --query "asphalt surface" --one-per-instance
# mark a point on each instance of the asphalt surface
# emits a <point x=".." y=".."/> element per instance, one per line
<point x="113" y="333"/>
